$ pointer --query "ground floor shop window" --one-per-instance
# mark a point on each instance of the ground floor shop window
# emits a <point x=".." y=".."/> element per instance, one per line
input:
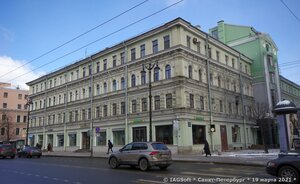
<point x="164" y="134"/>
<point x="198" y="134"/>
<point x="72" y="139"/>
<point x="60" y="140"/>
<point x="236" y="134"/>
<point x="41" y="140"/>
<point x="101" y="139"/>
<point x="119" y="137"/>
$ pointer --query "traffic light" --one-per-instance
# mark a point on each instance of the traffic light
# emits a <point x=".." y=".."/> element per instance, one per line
<point x="212" y="128"/>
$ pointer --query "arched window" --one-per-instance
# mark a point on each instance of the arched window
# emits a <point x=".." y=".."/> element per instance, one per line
<point x="133" y="80"/>
<point x="114" y="85"/>
<point x="122" y="83"/>
<point x="156" y="74"/>
<point x="98" y="89"/>
<point x="168" y="72"/>
<point x="105" y="87"/>
<point x="143" y="77"/>
<point x="190" y="72"/>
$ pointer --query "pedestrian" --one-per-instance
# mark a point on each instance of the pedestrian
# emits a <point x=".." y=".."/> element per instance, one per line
<point x="206" y="148"/>
<point x="110" y="146"/>
<point x="49" y="147"/>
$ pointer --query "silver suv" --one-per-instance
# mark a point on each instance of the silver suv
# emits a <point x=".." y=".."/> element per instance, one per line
<point x="142" y="154"/>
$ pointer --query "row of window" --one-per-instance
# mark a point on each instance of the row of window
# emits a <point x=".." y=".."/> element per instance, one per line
<point x="5" y="95"/>
<point x="88" y="70"/>
<point x="19" y="118"/>
<point x="244" y="67"/>
<point x="17" y="131"/>
<point x="19" y="106"/>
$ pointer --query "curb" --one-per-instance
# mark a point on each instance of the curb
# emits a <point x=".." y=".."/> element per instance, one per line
<point x="174" y="160"/>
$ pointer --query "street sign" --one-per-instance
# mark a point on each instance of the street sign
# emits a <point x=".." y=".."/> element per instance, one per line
<point x="97" y="129"/>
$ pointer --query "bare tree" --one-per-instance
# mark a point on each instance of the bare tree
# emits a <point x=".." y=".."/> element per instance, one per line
<point x="7" y="124"/>
<point x="259" y="112"/>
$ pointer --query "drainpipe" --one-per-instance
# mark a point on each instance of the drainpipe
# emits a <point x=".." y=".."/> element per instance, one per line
<point x="45" y="113"/>
<point x="126" y="94"/>
<point x="209" y="89"/>
<point x="65" y="118"/>
<point x="92" y="122"/>
<point x="242" y="100"/>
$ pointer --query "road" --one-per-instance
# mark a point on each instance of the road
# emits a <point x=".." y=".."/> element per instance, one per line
<point x="68" y="170"/>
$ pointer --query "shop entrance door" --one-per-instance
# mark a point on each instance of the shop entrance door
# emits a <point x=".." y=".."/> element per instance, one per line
<point x="85" y="140"/>
<point x="139" y="134"/>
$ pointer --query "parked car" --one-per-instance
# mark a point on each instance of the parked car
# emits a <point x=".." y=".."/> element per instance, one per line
<point x="29" y="152"/>
<point x="286" y="167"/>
<point x="142" y="154"/>
<point x="7" y="150"/>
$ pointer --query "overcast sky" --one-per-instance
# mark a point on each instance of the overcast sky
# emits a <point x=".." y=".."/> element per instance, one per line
<point x="29" y="29"/>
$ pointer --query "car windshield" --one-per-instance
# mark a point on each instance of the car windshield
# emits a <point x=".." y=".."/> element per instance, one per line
<point x="6" y="146"/>
<point x="159" y="146"/>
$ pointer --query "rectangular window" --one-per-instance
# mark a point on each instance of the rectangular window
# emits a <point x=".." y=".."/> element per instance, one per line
<point x="90" y="70"/>
<point x="18" y="118"/>
<point x="164" y="134"/>
<point x="4" y="117"/>
<point x="144" y="104"/>
<point x="104" y="64"/>
<point x="72" y="139"/>
<point x="19" y="106"/>
<point x="5" y="95"/>
<point x="98" y="112"/>
<point x="17" y="131"/>
<point x="201" y="102"/>
<point x="226" y="59"/>
<point x="188" y="41"/>
<point x="89" y="113"/>
<point x="236" y="134"/>
<point x="20" y="96"/>
<point x="198" y="47"/>
<point x="119" y="137"/>
<point x="98" y="67"/>
<point x="60" y="140"/>
<point x="143" y="50"/>
<point x="122" y="55"/>
<point x="114" y="109"/>
<point x="133" y="106"/>
<point x="218" y="55"/>
<point x="192" y="102"/>
<point x="221" y="106"/>
<point x="155" y="46"/>
<point x="104" y="110"/>
<point x="122" y="107"/>
<point x="83" y="113"/>
<point x="76" y="115"/>
<point x="157" y="102"/>
<point x="114" y="61"/>
<point x="70" y="116"/>
<point x="198" y="134"/>
<point x="24" y="119"/>
<point x="2" y="131"/>
<point x="4" y="105"/>
<point x="166" y="42"/>
<point x="168" y="100"/>
<point x="132" y="54"/>
<point x="101" y="139"/>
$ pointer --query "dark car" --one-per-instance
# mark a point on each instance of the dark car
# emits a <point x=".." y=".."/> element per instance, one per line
<point x="7" y="150"/>
<point x="29" y="152"/>
<point x="286" y="167"/>
<point x="142" y="154"/>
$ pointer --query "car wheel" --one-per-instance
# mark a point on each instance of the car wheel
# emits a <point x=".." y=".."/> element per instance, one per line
<point x="113" y="163"/>
<point x="4" y="157"/>
<point x="289" y="172"/>
<point x="39" y="156"/>
<point x="163" y="167"/>
<point x="143" y="164"/>
<point x="12" y="157"/>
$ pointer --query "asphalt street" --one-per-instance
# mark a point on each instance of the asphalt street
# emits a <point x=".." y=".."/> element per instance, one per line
<point x="53" y="170"/>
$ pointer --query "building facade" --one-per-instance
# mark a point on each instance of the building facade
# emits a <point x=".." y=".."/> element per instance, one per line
<point x="200" y="83"/>
<point x="13" y="114"/>
<point x="268" y="86"/>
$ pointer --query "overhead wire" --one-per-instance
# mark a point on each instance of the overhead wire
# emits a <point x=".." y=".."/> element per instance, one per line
<point x="112" y="33"/>
<point x="290" y="10"/>
<point x="78" y="36"/>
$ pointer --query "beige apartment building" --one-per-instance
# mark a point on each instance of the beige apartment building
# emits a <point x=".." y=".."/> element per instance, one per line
<point x="198" y="83"/>
<point x="13" y="114"/>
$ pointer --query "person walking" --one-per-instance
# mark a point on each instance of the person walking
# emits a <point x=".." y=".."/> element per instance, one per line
<point x="206" y="148"/>
<point x="110" y="146"/>
<point x="49" y="147"/>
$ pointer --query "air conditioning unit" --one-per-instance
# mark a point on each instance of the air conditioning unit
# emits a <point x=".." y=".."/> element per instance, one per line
<point x="195" y="40"/>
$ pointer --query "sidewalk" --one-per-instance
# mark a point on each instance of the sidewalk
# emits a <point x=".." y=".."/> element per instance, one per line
<point x="243" y="157"/>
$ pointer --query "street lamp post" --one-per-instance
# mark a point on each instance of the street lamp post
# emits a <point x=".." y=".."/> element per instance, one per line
<point x="149" y="67"/>
<point x="29" y="102"/>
